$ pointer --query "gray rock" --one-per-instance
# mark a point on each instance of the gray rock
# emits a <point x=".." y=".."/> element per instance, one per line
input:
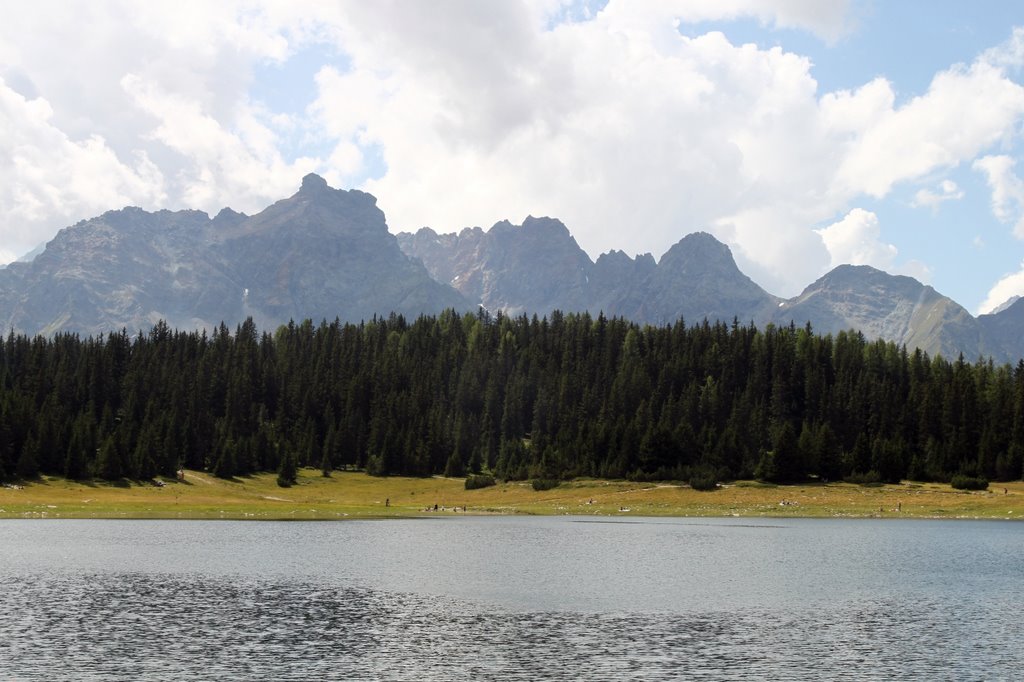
<point x="890" y="307"/>
<point x="320" y="254"/>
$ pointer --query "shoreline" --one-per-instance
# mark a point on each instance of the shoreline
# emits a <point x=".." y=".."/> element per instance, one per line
<point x="348" y="495"/>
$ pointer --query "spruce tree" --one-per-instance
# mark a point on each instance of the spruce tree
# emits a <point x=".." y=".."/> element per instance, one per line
<point x="287" y="473"/>
<point x="109" y="464"/>
<point x="28" y="461"/>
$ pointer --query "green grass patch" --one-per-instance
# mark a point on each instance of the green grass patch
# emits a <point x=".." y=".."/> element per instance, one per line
<point x="348" y="494"/>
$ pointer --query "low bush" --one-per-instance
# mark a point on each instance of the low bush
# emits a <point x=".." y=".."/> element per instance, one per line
<point x="544" y="483"/>
<point x="961" y="482"/>
<point x="871" y="479"/>
<point x="479" y="481"/>
<point x="703" y="479"/>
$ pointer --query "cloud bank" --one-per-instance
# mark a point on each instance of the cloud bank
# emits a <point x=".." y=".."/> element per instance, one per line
<point x="463" y="113"/>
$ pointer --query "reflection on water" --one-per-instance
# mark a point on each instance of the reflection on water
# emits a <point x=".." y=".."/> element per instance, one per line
<point x="172" y="627"/>
<point x="88" y="601"/>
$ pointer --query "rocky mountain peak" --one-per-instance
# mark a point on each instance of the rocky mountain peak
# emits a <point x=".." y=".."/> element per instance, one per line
<point x="227" y="217"/>
<point x="312" y="183"/>
<point x="322" y="253"/>
<point x="698" y="251"/>
<point x="326" y="252"/>
<point x="1005" y="305"/>
<point x="883" y="306"/>
<point x="546" y="227"/>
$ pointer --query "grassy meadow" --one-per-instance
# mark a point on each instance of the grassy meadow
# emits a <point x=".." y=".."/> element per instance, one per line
<point x="352" y="495"/>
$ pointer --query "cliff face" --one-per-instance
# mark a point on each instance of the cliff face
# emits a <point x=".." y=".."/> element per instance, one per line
<point x="1003" y="330"/>
<point x="889" y="307"/>
<point x="698" y="279"/>
<point x="322" y="253"/>
<point x="535" y="267"/>
<point x="538" y="267"/>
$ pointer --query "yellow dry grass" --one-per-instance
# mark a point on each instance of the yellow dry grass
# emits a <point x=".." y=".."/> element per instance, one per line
<point x="356" y="495"/>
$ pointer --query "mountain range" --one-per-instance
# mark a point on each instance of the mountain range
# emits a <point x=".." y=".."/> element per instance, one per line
<point x="324" y="253"/>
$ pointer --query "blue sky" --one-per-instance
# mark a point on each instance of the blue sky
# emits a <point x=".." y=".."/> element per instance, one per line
<point x="803" y="133"/>
<point x="908" y="43"/>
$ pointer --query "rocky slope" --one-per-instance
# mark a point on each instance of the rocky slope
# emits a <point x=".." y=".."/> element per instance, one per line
<point x="538" y="267"/>
<point x="322" y="253"/>
<point x="890" y="307"/>
<point x="326" y="253"/>
<point x="535" y="267"/>
<point x="698" y="279"/>
<point x="1003" y="331"/>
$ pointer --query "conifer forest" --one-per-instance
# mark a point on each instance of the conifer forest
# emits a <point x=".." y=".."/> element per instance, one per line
<point x="517" y="397"/>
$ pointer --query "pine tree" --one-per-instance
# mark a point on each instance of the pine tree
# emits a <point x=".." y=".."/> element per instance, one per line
<point x="224" y="466"/>
<point x="109" y="461"/>
<point x="28" y="461"/>
<point x="287" y="474"/>
<point x="80" y="449"/>
<point x="325" y="461"/>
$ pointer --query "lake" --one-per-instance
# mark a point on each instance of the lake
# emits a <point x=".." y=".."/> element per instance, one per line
<point x="511" y="598"/>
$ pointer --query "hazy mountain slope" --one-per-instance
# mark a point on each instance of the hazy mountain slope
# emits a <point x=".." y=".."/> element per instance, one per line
<point x="1003" y="329"/>
<point x="884" y="306"/>
<point x="696" y="279"/>
<point x="538" y="267"/>
<point x="326" y="253"/>
<point x="535" y="267"/>
<point x="321" y="253"/>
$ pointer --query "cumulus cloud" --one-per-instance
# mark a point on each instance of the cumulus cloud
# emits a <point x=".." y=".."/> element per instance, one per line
<point x="1004" y="289"/>
<point x="224" y="165"/>
<point x="947" y="190"/>
<point x="856" y="240"/>
<point x="49" y="179"/>
<point x="937" y="130"/>
<point x="829" y="19"/>
<point x="464" y="113"/>
<point x="1007" y="190"/>
<point x="635" y="134"/>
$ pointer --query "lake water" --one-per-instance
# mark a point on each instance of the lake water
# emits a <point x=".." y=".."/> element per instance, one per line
<point x="511" y="598"/>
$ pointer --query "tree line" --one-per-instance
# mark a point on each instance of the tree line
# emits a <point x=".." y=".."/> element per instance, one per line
<point x="517" y="397"/>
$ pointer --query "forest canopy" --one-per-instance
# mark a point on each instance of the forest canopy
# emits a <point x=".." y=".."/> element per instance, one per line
<point x="516" y="397"/>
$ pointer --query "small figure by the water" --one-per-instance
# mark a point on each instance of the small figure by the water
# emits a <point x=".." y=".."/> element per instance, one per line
<point x="387" y="501"/>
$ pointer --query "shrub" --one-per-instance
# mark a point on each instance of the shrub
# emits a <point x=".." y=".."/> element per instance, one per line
<point x="961" y="482"/>
<point x="479" y="481"/>
<point x="703" y="480"/>
<point x="545" y="483"/>
<point x="871" y="479"/>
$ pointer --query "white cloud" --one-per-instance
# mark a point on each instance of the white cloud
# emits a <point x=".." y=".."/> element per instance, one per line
<point x="614" y="121"/>
<point x="829" y="19"/>
<point x="49" y="179"/>
<point x="635" y="135"/>
<point x="857" y="240"/>
<point x="223" y="165"/>
<point x="937" y="130"/>
<point x="1007" y="190"/>
<point x="947" y="190"/>
<point x="1008" y="286"/>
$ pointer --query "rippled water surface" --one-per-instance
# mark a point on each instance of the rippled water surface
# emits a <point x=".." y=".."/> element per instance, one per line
<point x="511" y="599"/>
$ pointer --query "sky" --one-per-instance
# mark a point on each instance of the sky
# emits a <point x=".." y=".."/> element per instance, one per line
<point x="803" y="133"/>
